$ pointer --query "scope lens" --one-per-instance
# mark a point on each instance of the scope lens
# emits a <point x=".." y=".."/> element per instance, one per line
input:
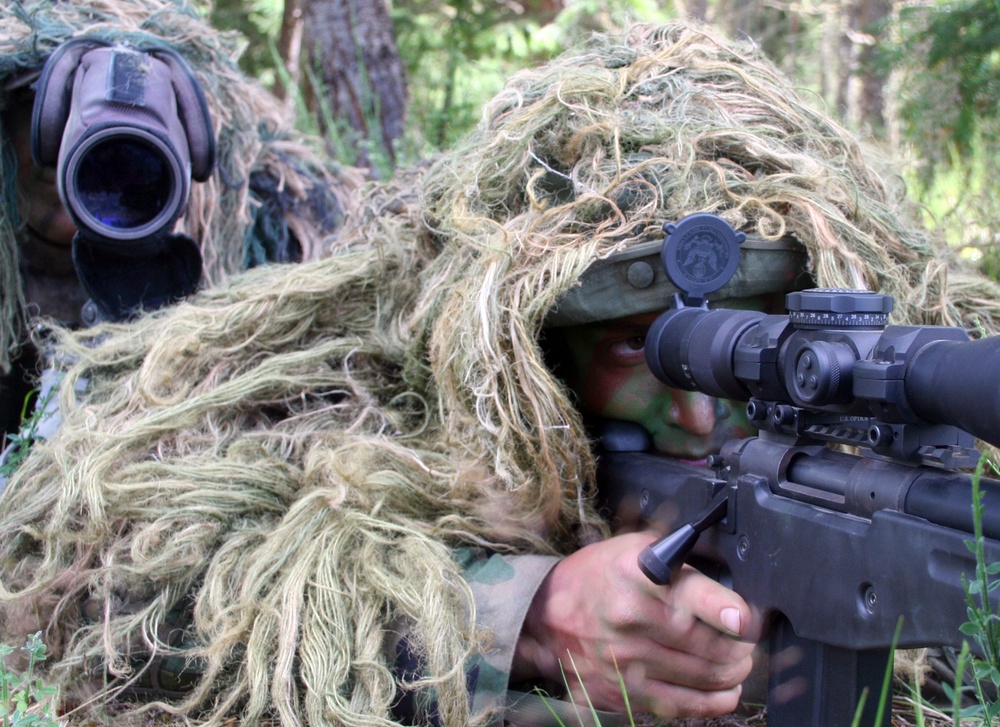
<point x="123" y="182"/>
<point x="693" y="349"/>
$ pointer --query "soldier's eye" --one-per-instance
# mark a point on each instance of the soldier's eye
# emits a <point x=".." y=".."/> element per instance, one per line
<point x="631" y="347"/>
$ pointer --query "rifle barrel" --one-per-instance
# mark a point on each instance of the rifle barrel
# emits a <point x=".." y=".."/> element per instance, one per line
<point x="862" y="485"/>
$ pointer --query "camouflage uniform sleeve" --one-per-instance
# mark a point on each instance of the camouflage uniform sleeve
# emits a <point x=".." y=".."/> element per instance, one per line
<point x="503" y="587"/>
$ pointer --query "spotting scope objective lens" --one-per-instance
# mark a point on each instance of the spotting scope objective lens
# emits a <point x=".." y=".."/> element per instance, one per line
<point x="123" y="183"/>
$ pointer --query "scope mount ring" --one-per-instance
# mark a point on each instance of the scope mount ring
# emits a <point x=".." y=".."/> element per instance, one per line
<point x="701" y="253"/>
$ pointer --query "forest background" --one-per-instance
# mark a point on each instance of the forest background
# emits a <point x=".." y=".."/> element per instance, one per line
<point x="387" y="82"/>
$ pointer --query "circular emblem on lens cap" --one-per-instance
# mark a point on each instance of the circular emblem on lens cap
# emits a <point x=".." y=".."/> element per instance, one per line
<point x="701" y="253"/>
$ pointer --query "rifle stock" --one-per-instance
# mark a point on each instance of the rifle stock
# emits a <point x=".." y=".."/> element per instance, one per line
<point x="830" y="549"/>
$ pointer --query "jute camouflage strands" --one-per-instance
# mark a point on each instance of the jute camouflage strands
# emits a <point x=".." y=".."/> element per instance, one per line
<point x="296" y="457"/>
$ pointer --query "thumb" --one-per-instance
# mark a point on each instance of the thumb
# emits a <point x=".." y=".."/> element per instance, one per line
<point x="714" y="604"/>
<point x="732" y="621"/>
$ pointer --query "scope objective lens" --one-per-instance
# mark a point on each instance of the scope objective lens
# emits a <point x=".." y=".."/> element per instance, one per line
<point x="123" y="182"/>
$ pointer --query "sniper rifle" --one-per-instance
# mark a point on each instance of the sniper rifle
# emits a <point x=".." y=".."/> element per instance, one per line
<point x="843" y="556"/>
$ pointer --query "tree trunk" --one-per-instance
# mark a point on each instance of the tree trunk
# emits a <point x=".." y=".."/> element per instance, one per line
<point x="290" y="48"/>
<point x="696" y="9"/>
<point x="872" y="15"/>
<point x="351" y="44"/>
<point x="847" y="67"/>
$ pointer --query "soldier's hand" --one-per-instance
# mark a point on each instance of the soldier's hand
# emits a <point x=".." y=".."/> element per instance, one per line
<point x="682" y="650"/>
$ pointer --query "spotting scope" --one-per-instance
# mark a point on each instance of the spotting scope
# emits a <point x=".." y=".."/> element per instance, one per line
<point x="127" y="129"/>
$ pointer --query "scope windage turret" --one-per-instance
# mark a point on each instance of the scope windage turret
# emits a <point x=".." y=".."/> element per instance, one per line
<point x="833" y="353"/>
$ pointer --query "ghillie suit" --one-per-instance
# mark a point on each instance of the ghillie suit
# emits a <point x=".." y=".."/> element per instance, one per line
<point x="295" y="459"/>
<point x="271" y="196"/>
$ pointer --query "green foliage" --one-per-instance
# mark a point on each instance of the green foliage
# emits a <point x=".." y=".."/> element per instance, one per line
<point x="456" y="56"/>
<point x="952" y="92"/>
<point x="458" y="53"/>
<point x="947" y="58"/>
<point x="25" y="701"/>
<point x="583" y="17"/>
<point x="983" y="625"/>
<point x="258" y="21"/>
<point x="20" y="442"/>
<point x="961" y="200"/>
<point x="587" y="708"/>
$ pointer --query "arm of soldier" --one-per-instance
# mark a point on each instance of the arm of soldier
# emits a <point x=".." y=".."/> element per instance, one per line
<point x="503" y="588"/>
<point x="677" y="648"/>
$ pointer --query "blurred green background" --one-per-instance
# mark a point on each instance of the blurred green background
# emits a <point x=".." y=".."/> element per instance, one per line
<point x="919" y="78"/>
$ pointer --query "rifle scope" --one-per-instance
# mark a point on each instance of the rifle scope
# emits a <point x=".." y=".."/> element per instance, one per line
<point x="833" y="353"/>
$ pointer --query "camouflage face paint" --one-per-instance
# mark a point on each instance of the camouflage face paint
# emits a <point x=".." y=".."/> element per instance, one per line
<point x="612" y="380"/>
